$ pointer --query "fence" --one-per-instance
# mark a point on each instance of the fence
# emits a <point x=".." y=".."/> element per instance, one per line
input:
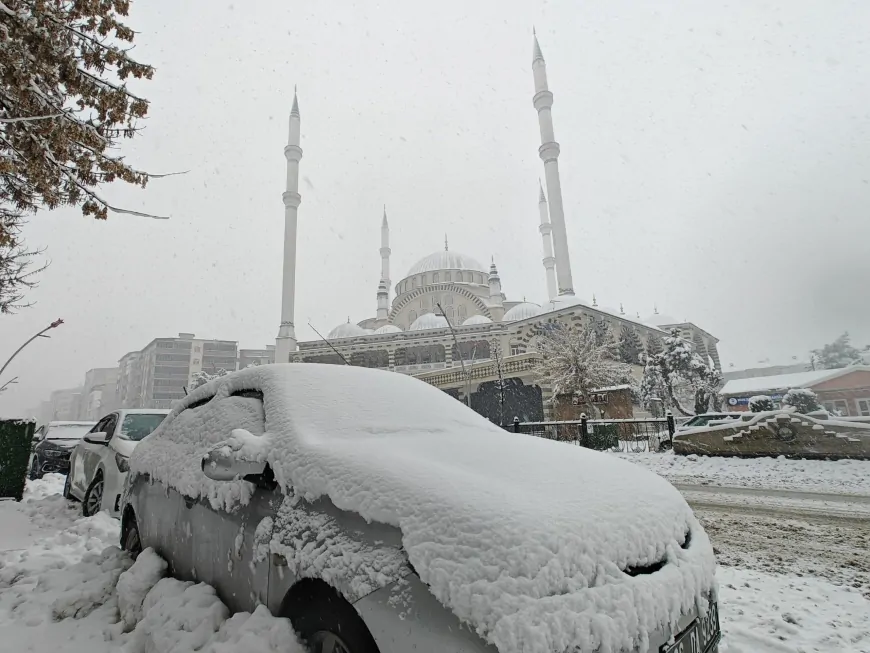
<point x="629" y="435"/>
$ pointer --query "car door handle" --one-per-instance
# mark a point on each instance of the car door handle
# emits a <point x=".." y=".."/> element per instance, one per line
<point x="188" y="502"/>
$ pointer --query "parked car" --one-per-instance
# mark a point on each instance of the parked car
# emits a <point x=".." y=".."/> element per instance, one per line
<point x="52" y="445"/>
<point x="380" y="515"/>
<point x="100" y="461"/>
<point x="706" y="418"/>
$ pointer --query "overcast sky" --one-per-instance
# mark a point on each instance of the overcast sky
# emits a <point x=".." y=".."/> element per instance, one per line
<point x="714" y="162"/>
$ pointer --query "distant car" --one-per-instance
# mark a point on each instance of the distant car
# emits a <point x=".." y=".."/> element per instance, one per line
<point x="53" y="443"/>
<point x="706" y="418"/>
<point x="99" y="463"/>
<point x="380" y="515"/>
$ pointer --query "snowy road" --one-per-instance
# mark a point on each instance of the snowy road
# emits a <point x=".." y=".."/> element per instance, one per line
<point x="793" y="578"/>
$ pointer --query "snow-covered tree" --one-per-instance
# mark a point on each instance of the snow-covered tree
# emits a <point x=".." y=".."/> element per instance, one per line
<point x="575" y="362"/>
<point x="602" y="329"/>
<point x="760" y="403"/>
<point x="630" y="346"/>
<point x="837" y="354"/>
<point x="679" y="368"/>
<point x="804" y="400"/>
<point x="64" y="105"/>
<point x="653" y="346"/>
<point x="202" y="377"/>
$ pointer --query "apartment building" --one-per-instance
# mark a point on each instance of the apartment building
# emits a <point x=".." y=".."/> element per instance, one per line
<point x="99" y="393"/>
<point x="256" y="356"/>
<point x="159" y="374"/>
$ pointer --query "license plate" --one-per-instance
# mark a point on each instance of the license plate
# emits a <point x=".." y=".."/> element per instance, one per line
<point x="698" y="637"/>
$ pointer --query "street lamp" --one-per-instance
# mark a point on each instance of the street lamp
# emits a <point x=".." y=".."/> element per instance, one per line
<point x="53" y="325"/>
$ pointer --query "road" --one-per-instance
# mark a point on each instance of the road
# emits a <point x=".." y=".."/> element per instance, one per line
<point x="780" y="531"/>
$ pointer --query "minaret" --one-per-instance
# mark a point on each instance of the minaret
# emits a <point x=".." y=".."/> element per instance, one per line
<point x="285" y="343"/>
<point x="496" y="299"/>
<point x="546" y="231"/>
<point x="383" y="299"/>
<point x="549" y="153"/>
<point x="385" y="252"/>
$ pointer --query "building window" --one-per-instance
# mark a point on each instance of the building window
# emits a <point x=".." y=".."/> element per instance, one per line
<point x="435" y="300"/>
<point x="416" y="282"/>
<point x="516" y="350"/>
<point x="459" y="276"/>
<point x="411" y="317"/>
<point x="435" y="278"/>
<point x="446" y="276"/>
<point x="448" y="311"/>
<point x="837" y="407"/>
<point x="863" y="407"/>
<point x="460" y="313"/>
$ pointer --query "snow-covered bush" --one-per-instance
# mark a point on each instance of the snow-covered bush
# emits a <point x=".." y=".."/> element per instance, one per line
<point x="804" y="400"/>
<point x="760" y="403"/>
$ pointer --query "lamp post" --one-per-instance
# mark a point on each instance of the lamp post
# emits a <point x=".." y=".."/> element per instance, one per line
<point x="467" y="375"/>
<point x="53" y="325"/>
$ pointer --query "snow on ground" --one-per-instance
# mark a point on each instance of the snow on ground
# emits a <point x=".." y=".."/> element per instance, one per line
<point x="61" y="590"/>
<point x="831" y="476"/>
<point x="764" y="613"/>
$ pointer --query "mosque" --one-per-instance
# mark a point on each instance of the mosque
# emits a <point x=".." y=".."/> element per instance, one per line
<point x="448" y="320"/>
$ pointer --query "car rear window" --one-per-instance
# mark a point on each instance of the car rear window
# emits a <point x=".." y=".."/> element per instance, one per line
<point x="139" y="425"/>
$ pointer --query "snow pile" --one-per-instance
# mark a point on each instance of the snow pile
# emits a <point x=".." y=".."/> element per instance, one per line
<point x="829" y="476"/>
<point x="135" y="583"/>
<point x="523" y="538"/>
<point x="764" y="613"/>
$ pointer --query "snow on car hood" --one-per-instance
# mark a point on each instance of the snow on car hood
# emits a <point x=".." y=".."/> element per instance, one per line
<point x="526" y="539"/>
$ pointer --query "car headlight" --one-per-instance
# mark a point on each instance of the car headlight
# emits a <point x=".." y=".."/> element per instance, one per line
<point x="55" y="453"/>
<point x="122" y="462"/>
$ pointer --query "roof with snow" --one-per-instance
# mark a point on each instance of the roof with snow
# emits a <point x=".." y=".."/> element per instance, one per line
<point x="759" y="384"/>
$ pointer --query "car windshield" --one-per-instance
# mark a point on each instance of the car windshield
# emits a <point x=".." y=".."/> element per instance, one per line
<point x="68" y="431"/>
<point x="138" y="425"/>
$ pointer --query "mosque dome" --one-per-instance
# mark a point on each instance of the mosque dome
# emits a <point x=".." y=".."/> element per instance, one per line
<point x="428" y="321"/>
<point x="658" y="319"/>
<point x="388" y="328"/>
<point x="477" y="319"/>
<point x="445" y="260"/>
<point x="521" y="312"/>
<point x="346" y="330"/>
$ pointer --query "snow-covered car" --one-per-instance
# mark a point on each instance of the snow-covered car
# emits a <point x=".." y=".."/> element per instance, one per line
<point x="380" y="515"/>
<point x="53" y="443"/>
<point x="705" y="418"/>
<point x="100" y="461"/>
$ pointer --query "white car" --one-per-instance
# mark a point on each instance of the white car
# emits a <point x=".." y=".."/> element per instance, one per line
<point x="99" y="463"/>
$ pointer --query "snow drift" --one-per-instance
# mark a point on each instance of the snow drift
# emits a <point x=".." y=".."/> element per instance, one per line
<point x="540" y="547"/>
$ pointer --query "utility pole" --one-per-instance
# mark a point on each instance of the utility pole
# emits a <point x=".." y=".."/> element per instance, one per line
<point x="465" y="373"/>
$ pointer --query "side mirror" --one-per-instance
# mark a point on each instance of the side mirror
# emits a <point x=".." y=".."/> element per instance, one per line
<point x="99" y="437"/>
<point x="220" y="464"/>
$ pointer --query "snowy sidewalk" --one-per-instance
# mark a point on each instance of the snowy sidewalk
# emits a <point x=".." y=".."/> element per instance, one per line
<point x="60" y="593"/>
<point x="825" y="476"/>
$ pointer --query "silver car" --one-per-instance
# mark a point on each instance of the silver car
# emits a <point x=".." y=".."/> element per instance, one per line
<point x="345" y="582"/>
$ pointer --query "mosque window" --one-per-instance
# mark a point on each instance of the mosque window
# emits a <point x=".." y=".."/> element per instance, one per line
<point x="446" y="276"/>
<point x="460" y="312"/>
<point x="412" y="316"/>
<point x="435" y="299"/>
<point x="435" y="278"/>
<point x="448" y="311"/>
<point x="459" y="276"/>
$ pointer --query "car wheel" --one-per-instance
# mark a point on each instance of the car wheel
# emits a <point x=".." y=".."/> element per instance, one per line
<point x="34" y="470"/>
<point x="132" y="543"/>
<point x="93" y="501"/>
<point x="326" y="623"/>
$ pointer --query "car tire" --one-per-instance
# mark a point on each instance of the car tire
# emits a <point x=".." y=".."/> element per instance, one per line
<point x="326" y="622"/>
<point x="93" y="499"/>
<point x="34" y="474"/>
<point x="132" y="543"/>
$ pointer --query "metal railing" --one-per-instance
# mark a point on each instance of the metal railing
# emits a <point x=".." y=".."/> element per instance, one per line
<point x="628" y="435"/>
